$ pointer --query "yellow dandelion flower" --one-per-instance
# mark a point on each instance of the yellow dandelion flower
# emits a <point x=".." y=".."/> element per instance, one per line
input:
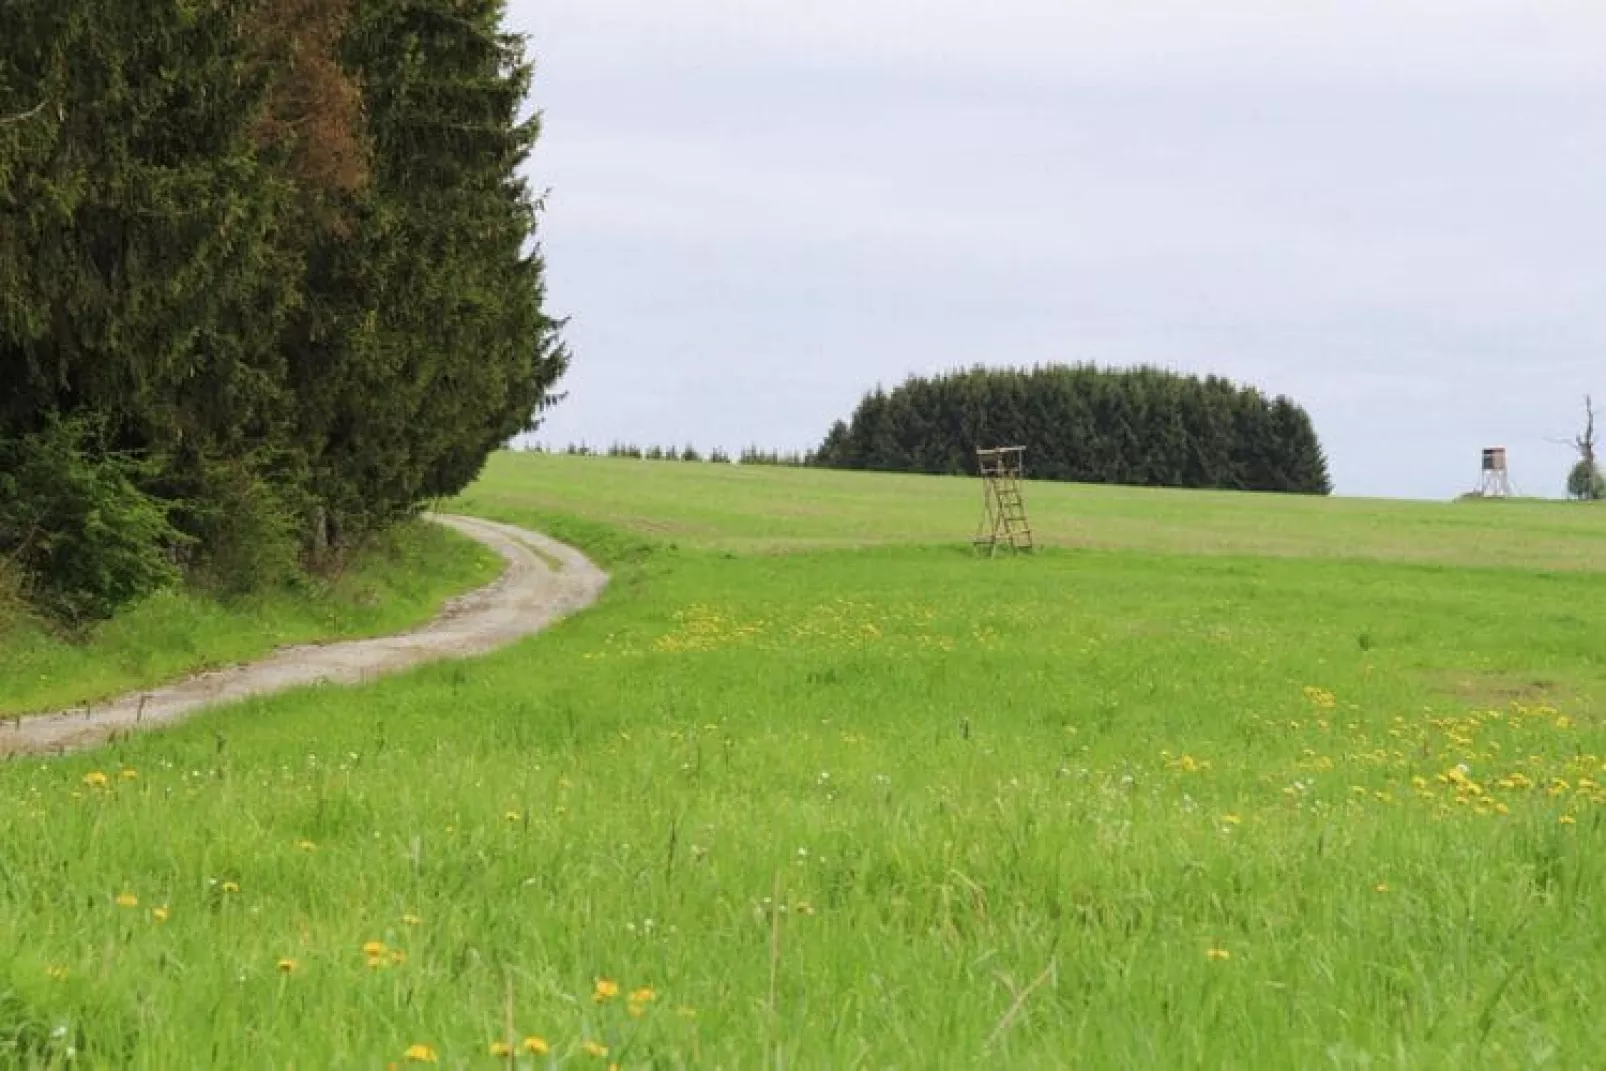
<point x="1231" y="819"/>
<point x="1381" y="887"/>
<point x="1320" y="698"/>
<point x="287" y="966"/>
<point x="129" y="773"/>
<point x="501" y="1048"/>
<point x="1568" y="820"/>
<point x="95" y="779"/>
<point x="421" y="1054"/>
<point x="644" y="995"/>
<point x="230" y="887"/>
<point x="412" y="920"/>
<point x="1217" y="953"/>
<point x="127" y="899"/>
<point x="160" y="914"/>
<point x="606" y="990"/>
<point x="594" y="1048"/>
<point x="373" y="948"/>
<point x="514" y="816"/>
<point x="535" y="1045"/>
<point x="306" y="845"/>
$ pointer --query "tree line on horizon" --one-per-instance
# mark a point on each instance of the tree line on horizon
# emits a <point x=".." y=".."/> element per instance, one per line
<point x="718" y="455"/>
<point x="1082" y="424"/>
<point x="1086" y="424"/>
<point x="268" y="280"/>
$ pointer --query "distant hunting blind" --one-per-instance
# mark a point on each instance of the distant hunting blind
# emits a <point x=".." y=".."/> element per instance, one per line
<point x="1003" y="520"/>
<point x="1496" y="474"/>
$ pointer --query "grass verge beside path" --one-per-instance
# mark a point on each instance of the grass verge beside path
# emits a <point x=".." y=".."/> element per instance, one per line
<point x="399" y="582"/>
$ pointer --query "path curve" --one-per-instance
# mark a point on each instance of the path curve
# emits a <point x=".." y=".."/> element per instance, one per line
<point x="544" y="582"/>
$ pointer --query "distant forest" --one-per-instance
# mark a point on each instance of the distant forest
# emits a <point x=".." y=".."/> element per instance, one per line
<point x="1144" y="427"/>
<point x="268" y="280"/>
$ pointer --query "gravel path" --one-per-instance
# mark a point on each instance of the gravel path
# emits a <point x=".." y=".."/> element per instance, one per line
<point x="544" y="582"/>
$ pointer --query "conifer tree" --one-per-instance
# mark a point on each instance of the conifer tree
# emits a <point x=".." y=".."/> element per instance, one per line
<point x="442" y="348"/>
<point x="270" y="261"/>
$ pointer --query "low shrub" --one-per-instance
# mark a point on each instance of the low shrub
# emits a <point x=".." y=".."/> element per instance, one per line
<point x="75" y="522"/>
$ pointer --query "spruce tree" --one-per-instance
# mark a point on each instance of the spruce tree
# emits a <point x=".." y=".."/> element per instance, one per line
<point x="269" y="261"/>
<point x="432" y="345"/>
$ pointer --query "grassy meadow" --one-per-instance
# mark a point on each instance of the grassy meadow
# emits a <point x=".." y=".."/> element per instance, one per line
<point x="400" y="580"/>
<point x="1212" y="780"/>
<point x="746" y="510"/>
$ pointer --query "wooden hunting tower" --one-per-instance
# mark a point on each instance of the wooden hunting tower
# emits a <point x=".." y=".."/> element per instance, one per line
<point x="1004" y="511"/>
<point x="1496" y="474"/>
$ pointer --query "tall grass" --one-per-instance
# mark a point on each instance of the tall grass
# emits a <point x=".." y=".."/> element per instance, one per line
<point x="874" y="808"/>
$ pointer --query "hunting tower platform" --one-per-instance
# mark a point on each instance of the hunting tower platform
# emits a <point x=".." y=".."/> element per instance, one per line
<point x="1004" y="518"/>
<point x="1496" y="474"/>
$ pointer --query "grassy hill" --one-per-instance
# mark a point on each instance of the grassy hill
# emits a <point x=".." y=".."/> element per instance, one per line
<point x="752" y="509"/>
<point x="1213" y="780"/>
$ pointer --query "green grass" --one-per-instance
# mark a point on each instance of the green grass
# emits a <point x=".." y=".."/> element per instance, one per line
<point x="766" y="510"/>
<point x="1105" y="808"/>
<point x="399" y="582"/>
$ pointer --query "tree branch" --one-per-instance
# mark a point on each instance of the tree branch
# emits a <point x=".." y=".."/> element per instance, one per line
<point x="22" y="117"/>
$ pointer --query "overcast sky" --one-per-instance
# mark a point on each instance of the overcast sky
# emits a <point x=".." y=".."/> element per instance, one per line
<point x="1392" y="210"/>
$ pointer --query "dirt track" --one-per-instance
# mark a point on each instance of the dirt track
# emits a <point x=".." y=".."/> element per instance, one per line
<point x="530" y="595"/>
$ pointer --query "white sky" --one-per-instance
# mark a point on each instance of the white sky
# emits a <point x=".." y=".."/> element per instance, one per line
<point x="1392" y="211"/>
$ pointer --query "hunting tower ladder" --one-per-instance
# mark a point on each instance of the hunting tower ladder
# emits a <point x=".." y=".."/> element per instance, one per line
<point x="1004" y="520"/>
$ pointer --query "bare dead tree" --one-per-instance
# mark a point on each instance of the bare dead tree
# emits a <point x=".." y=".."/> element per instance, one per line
<point x="1585" y="443"/>
<point x="1585" y="480"/>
